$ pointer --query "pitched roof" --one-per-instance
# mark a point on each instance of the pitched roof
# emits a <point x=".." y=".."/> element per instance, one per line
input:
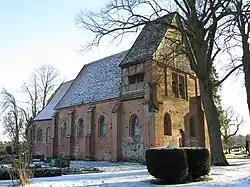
<point x="148" y="40"/>
<point x="48" y="111"/>
<point x="96" y="81"/>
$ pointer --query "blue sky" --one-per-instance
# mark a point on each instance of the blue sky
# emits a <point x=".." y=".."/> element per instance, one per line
<point x="33" y="33"/>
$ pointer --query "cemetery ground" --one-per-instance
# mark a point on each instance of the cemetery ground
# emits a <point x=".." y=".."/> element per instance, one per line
<point x="135" y="174"/>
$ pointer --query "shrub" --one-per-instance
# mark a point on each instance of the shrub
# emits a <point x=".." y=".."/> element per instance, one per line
<point x="7" y="174"/>
<point x="46" y="172"/>
<point x="4" y="174"/>
<point x="167" y="164"/>
<point x="198" y="161"/>
<point x="62" y="163"/>
<point x="8" y="149"/>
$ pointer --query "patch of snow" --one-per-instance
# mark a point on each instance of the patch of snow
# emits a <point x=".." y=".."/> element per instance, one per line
<point x="107" y="166"/>
<point x="227" y="176"/>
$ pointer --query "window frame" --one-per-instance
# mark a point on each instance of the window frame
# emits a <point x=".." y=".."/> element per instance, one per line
<point x="181" y="81"/>
<point x="64" y="130"/>
<point x="39" y="135"/>
<point x="135" y="81"/>
<point x="47" y="134"/>
<point x="102" y="123"/>
<point x="167" y="125"/>
<point x="175" y="89"/>
<point x="179" y="85"/>
<point x="133" y="125"/>
<point x="80" y="129"/>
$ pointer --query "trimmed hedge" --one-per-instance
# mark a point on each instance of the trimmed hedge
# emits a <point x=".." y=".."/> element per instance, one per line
<point x="176" y="165"/>
<point x="47" y="172"/>
<point x="167" y="164"/>
<point x="6" y="174"/>
<point x="198" y="161"/>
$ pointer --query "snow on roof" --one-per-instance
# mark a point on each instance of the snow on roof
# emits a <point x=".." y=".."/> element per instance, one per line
<point x="148" y="40"/>
<point x="48" y="111"/>
<point x="96" y="81"/>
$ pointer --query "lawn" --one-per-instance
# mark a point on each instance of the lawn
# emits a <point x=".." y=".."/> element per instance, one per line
<point x="237" y="156"/>
<point x="136" y="175"/>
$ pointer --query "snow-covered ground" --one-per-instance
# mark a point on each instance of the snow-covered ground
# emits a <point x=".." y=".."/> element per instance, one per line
<point x="238" y="174"/>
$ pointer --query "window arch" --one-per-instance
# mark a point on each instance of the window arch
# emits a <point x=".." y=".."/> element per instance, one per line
<point x="192" y="128"/>
<point x="134" y="125"/>
<point x="80" y="131"/>
<point x="167" y="125"/>
<point x="103" y="126"/>
<point x="48" y="131"/>
<point x="39" y="135"/>
<point x="64" y="130"/>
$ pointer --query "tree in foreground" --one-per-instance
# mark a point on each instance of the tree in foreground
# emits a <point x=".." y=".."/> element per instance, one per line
<point x="40" y="86"/>
<point x="13" y="121"/>
<point x="18" y="120"/>
<point x="237" y="29"/>
<point x="199" y="28"/>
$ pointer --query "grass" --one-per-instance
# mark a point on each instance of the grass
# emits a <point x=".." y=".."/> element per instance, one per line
<point x="237" y="156"/>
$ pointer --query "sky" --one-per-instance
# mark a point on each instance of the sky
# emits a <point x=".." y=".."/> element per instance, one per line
<point x="33" y="33"/>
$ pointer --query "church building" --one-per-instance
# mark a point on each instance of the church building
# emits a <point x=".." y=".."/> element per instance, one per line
<point x="119" y="106"/>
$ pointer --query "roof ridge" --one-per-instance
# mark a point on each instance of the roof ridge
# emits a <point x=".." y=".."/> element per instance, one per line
<point x="106" y="57"/>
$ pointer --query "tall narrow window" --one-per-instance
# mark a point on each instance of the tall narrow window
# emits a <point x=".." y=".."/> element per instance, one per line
<point x="182" y="87"/>
<point x="179" y="86"/>
<point x="103" y="126"/>
<point x="64" y="130"/>
<point x="175" y="84"/>
<point x="135" y="126"/>
<point x="167" y="125"/>
<point x="165" y="82"/>
<point x="39" y="135"/>
<point x="192" y="127"/>
<point x="48" y="135"/>
<point x="80" y="132"/>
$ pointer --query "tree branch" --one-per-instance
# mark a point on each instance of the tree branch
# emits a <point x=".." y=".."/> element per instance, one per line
<point x="228" y="74"/>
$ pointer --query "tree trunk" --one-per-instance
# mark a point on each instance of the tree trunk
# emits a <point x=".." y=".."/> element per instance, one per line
<point x="217" y="155"/>
<point x="246" y="68"/>
<point x="226" y="144"/>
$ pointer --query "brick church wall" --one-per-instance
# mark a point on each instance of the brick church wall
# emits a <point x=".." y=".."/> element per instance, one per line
<point x="45" y="146"/>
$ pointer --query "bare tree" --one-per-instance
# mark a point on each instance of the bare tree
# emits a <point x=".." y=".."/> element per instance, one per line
<point x="39" y="88"/>
<point x="230" y="124"/>
<point x="47" y="81"/>
<point x="13" y="122"/>
<point x="199" y="27"/>
<point x="238" y="27"/>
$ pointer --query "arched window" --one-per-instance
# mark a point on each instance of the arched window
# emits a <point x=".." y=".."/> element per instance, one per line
<point x="135" y="126"/>
<point x="167" y="125"/>
<point x="80" y="132"/>
<point x="192" y="128"/>
<point x="64" y="130"/>
<point x="48" y="135"/>
<point x="39" y="135"/>
<point x="103" y="126"/>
